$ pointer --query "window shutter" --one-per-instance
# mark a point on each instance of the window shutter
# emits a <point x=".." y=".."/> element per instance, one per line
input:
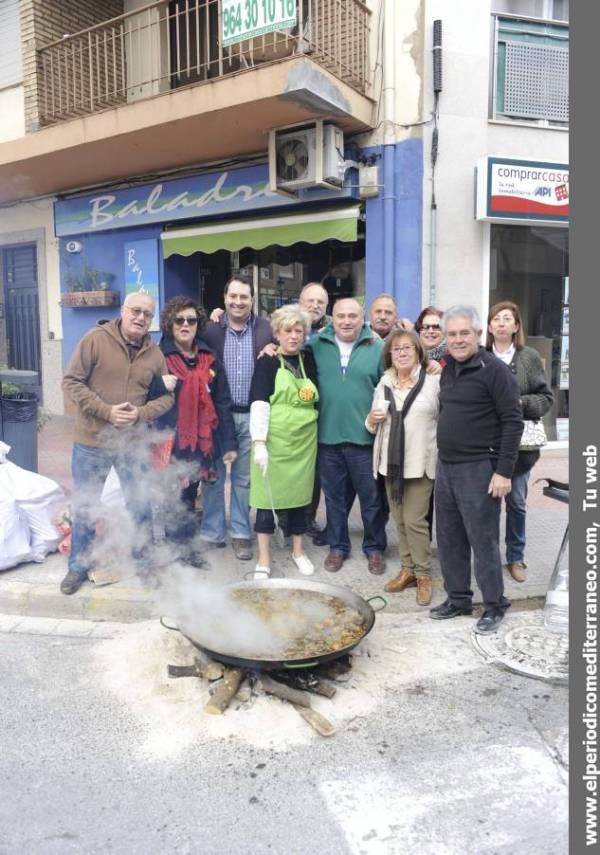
<point x="11" y="66"/>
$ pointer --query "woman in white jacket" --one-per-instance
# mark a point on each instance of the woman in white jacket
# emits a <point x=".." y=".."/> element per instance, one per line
<point x="404" y="418"/>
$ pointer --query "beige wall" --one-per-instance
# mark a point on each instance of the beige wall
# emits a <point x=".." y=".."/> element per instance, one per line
<point x="12" y="110"/>
<point x="465" y="135"/>
<point x="34" y="223"/>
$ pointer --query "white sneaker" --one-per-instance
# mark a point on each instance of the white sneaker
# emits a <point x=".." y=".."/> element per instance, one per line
<point x="261" y="572"/>
<point x="304" y="565"/>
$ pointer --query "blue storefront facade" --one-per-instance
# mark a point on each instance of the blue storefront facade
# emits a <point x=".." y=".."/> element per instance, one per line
<point x="114" y="238"/>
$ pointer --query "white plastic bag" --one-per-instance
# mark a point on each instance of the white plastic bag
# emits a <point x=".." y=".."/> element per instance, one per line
<point x="28" y="503"/>
<point x="112" y="495"/>
<point x="14" y="535"/>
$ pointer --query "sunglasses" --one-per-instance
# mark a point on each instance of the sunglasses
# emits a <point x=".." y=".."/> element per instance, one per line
<point x="190" y="320"/>
<point x="431" y="327"/>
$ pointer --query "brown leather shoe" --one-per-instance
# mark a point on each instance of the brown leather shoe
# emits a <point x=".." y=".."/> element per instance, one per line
<point x="518" y="571"/>
<point x="376" y="563"/>
<point x="333" y="561"/>
<point x="405" y="579"/>
<point x="424" y="590"/>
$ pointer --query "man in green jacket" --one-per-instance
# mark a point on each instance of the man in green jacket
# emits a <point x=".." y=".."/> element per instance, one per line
<point x="349" y="365"/>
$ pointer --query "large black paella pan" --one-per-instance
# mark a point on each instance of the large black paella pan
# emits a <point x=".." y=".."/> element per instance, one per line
<point x="280" y="623"/>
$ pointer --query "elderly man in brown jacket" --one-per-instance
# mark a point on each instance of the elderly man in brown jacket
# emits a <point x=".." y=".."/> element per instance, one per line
<point x="108" y="378"/>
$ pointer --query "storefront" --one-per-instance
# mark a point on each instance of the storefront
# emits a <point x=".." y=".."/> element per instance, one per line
<point x="189" y="235"/>
<point x="527" y="205"/>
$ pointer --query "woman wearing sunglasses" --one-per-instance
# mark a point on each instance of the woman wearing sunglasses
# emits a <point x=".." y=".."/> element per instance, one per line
<point x="429" y="327"/>
<point x="201" y="417"/>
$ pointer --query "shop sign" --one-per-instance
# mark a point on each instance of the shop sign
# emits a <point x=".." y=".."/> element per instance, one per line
<point x="246" y="19"/>
<point x="522" y="191"/>
<point x="194" y="197"/>
<point x="141" y="271"/>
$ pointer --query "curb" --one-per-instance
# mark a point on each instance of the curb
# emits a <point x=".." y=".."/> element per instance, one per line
<point x="125" y="605"/>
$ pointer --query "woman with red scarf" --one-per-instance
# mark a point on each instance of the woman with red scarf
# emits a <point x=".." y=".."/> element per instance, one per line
<point x="201" y="417"/>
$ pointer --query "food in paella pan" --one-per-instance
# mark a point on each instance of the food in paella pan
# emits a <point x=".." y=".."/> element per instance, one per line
<point x="306" y="623"/>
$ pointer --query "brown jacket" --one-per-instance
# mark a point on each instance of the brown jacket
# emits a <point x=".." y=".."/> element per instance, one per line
<point x="100" y="374"/>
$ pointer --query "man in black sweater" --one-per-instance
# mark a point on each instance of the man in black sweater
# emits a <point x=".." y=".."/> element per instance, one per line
<point x="479" y="429"/>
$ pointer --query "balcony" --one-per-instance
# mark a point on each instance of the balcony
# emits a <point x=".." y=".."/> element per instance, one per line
<point x="156" y="89"/>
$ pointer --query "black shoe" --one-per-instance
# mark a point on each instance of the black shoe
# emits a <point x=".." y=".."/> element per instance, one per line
<point x="72" y="582"/>
<point x="213" y="544"/>
<point x="489" y="621"/>
<point x="448" y="610"/>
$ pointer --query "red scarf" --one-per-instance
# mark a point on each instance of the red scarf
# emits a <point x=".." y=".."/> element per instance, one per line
<point x="196" y="414"/>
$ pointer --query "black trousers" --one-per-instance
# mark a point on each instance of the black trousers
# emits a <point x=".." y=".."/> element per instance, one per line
<point x="468" y="518"/>
<point x="295" y="521"/>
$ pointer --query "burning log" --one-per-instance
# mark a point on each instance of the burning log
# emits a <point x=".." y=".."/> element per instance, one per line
<point x="285" y="693"/>
<point x="225" y="691"/>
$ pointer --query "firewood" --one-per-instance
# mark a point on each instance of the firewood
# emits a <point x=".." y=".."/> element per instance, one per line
<point x="323" y="688"/>
<point x="286" y="693"/>
<point x="225" y="691"/>
<point x="317" y="721"/>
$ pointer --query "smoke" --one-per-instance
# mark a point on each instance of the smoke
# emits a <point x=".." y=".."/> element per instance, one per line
<point x="131" y="523"/>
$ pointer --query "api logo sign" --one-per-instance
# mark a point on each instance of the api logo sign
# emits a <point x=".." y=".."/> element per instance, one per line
<point x="542" y="191"/>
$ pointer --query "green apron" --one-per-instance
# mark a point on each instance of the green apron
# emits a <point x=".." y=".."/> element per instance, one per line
<point x="291" y="443"/>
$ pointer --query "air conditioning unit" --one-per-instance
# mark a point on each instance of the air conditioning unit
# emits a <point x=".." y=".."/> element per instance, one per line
<point x="306" y="157"/>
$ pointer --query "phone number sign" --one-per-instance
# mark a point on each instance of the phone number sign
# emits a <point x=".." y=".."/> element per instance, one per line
<point x="246" y="19"/>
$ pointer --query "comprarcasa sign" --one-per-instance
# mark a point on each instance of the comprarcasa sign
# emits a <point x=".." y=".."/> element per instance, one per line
<point x="522" y="191"/>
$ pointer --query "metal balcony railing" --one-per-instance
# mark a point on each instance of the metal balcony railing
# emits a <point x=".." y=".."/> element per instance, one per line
<point x="164" y="46"/>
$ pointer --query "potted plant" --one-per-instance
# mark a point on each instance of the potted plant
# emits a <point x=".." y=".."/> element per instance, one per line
<point x="88" y="287"/>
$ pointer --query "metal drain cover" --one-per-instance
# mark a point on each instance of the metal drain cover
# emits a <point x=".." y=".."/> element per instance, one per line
<point x="525" y="646"/>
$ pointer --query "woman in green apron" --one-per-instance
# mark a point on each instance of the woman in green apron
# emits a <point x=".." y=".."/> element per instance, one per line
<point x="283" y="428"/>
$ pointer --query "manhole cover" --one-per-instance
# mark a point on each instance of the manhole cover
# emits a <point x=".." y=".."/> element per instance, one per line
<point x="525" y="646"/>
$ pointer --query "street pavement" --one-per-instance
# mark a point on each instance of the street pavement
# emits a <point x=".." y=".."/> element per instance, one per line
<point x="436" y="752"/>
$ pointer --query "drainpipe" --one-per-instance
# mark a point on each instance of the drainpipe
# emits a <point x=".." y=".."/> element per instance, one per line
<point x="389" y="114"/>
<point x="437" y="88"/>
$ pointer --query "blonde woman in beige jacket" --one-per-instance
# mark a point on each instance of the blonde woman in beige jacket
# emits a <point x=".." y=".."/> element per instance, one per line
<point x="403" y="418"/>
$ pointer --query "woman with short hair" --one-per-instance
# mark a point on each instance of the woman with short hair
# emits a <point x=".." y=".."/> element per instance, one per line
<point x="429" y="327"/>
<point x="283" y="428"/>
<point x="404" y="418"/>
<point x="506" y="339"/>
<point x="201" y="417"/>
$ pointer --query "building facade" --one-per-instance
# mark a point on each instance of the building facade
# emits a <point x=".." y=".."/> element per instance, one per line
<point x="136" y="155"/>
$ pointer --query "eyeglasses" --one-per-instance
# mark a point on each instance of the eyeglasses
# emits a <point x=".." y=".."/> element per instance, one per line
<point x="431" y="327"/>
<point x="406" y="349"/>
<point x="190" y="320"/>
<point x="140" y="313"/>
<point x="505" y="319"/>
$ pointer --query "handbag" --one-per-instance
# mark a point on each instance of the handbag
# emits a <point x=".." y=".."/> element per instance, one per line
<point x="534" y="434"/>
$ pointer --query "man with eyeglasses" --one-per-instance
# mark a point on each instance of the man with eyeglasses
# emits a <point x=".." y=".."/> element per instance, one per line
<point x="108" y="378"/>
<point x="237" y="337"/>
<point x="478" y="434"/>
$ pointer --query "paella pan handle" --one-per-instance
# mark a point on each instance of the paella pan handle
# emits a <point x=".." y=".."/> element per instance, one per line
<point x="377" y="597"/>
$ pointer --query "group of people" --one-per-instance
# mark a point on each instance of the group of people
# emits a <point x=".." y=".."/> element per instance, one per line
<point x="378" y="409"/>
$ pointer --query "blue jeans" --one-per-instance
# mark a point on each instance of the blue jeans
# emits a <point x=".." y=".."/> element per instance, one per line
<point x="213" y="495"/>
<point x="516" y="516"/>
<point x="468" y="518"/>
<point x="90" y="467"/>
<point x="346" y="471"/>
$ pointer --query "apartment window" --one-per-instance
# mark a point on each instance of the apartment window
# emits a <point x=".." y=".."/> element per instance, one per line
<point x="530" y="69"/>
<point x="11" y="66"/>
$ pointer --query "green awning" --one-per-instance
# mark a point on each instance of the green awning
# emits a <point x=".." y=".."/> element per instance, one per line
<point x="338" y="224"/>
